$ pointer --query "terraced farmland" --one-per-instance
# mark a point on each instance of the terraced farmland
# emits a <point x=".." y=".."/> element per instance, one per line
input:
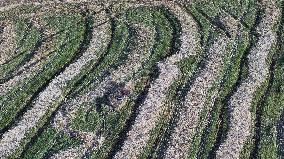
<point x="142" y="79"/>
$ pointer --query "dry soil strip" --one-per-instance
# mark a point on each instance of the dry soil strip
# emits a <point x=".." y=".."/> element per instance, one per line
<point x="240" y="103"/>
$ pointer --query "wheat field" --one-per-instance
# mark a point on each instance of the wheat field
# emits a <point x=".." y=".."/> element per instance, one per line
<point x="128" y="79"/>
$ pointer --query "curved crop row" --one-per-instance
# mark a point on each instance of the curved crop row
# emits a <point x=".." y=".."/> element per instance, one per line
<point x="141" y="79"/>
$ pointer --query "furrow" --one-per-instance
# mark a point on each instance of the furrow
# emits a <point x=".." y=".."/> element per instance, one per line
<point x="241" y="118"/>
<point x="151" y="108"/>
<point x="53" y="93"/>
<point x="195" y="100"/>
